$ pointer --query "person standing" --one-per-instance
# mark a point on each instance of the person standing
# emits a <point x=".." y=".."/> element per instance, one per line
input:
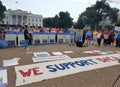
<point x="30" y="30"/>
<point x="27" y="37"/>
<point x="95" y="37"/>
<point x="88" y="37"/>
<point x="99" y="37"/>
<point x="106" y="34"/>
<point x="118" y="39"/>
<point x="72" y="35"/>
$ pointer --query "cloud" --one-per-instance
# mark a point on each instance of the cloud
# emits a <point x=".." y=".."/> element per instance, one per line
<point x="114" y="1"/>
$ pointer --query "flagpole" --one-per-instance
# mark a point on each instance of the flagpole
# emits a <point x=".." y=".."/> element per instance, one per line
<point x="16" y="5"/>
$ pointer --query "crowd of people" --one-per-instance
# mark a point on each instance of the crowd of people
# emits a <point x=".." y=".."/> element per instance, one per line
<point x="96" y="37"/>
<point x="86" y="38"/>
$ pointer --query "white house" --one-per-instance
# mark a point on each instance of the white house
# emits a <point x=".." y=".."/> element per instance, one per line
<point x="19" y="17"/>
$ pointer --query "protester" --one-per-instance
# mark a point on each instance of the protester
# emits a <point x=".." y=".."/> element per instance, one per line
<point x="112" y="38"/>
<point x="118" y="39"/>
<point x="84" y="34"/>
<point x="27" y="37"/>
<point x="106" y="34"/>
<point x="78" y="40"/>
<point x="88" y="37"/>
<point x="94" y="37"/>
<point x="99" y="37"/>
<point x="31" y="35"/>
<point x="72" y="33"/>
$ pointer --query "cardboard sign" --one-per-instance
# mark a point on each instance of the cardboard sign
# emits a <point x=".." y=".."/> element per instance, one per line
<point x="42" y="71"/>
<point x="3" y="77"/>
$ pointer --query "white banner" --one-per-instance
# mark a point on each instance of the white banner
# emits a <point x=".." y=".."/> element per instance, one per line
<point x="51" y="38"/>
<point x="11" y="38"/>
<point x="3" y="77"/>
<point x="41" y="71"/>
<point x="67" y="38"/>
<point x="21" y="40"/>
<point x="37" y="38"/>
<point x="11" y="62"/>
<point x="60" y="38"/>
<point x="44" y="38"/>
<point x="50" y="58"/>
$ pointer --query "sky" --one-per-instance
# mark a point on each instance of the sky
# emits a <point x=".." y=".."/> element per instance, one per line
<point x="50" y="8"/>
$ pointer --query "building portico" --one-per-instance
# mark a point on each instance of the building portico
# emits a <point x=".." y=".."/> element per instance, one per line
<point x="19" y="17"/>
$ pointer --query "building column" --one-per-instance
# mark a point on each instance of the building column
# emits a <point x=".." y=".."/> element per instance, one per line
<point x="22" y="20"/>
<point x="16" y="19"/>
<point x="10" y="20"/>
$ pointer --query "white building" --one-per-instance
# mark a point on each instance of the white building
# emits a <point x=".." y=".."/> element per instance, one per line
<point x="19" y="17"/>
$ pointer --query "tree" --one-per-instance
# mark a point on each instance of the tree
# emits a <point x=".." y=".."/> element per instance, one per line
<point x="113" y="13"/>
<point x="80" y="23"/>
<point x="47" y="22"/>
<point x="98" y="12"/>
<point x="65" y="21"/>
<point x="55" y="21"/>
<point x="2" y="9"/>
<point x="118" y="22"/>
<point x="62" y="21"/>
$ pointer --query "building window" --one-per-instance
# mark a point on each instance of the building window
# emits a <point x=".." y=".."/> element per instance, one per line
<point x="28" y="23"/>
<point x="3" y="22"/>
<point x="29" y="19"/>
<point x="6" y="17"/>
<point x="32" y="19"/>
<point x="36" y="24"/>
<point x="40" y="20"/>
<point x="36" y="20"/>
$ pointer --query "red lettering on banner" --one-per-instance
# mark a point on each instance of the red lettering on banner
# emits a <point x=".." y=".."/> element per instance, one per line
<point x="24" y="74"/>
<point x="36" y="71"/>
<point x="107" y="59"/>
<point x="114" y="58"/>
<point x="28" y="73"/>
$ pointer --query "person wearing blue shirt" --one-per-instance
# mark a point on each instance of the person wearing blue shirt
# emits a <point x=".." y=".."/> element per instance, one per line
<point x="27" y="37"/>
<point x="88" y="37"/>
<point x="72" y="33"/>
<point x="78" y="39"/>
<point x="118" y="39"/>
